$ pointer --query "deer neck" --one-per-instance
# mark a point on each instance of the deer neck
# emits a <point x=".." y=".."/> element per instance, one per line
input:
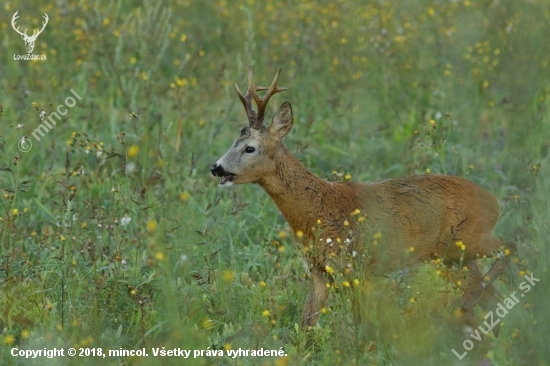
<point x="299" y="195"/>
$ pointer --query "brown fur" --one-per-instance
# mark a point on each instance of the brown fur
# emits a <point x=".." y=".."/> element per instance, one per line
<point x="427" y="212"/>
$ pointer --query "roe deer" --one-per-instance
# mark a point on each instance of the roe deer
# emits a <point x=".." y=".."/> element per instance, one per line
<point x="430" y="213"/>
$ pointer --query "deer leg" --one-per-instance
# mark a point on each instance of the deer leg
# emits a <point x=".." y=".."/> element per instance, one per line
<point x="478" y="291"/>
<point x="482" y="284"/>
<point x="315" y="299"/>
<point x="480" y="288"/>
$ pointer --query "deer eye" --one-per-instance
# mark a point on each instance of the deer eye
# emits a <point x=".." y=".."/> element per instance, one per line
<point x="249" y="149"/>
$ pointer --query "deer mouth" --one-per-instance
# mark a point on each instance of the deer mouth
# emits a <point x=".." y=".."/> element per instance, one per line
<point x="227" y="178"/>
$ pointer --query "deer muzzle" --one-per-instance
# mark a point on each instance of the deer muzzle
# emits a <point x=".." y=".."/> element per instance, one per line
<point x="218" y="171"/>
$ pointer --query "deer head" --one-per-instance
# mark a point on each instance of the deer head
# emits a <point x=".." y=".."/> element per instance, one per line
<point x="253" y="155"/>
<point x="29" y="41"/>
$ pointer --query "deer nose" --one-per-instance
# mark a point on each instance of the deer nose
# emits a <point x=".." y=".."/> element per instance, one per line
<point x="217" y="170"/>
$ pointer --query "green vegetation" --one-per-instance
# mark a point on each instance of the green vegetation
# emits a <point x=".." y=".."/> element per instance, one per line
<point x="113" y="233"/>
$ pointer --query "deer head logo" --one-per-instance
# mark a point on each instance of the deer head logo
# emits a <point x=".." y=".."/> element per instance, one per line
<point x="29" y="41"/>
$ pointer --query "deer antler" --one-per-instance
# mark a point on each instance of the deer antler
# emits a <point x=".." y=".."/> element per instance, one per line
<point x="24" y="34"/>
<point x="256" y="120"/>
<point x="43" y="25"/>
<point x="13" y="19"/>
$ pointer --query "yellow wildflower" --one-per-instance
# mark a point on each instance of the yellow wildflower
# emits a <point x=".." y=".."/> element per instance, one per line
<point x="184" y="196"/>
<point x="228" y="275"/>
<point x="151" y="226"/>
<point x="133" y="151"/>
<point x="9" y="340"/>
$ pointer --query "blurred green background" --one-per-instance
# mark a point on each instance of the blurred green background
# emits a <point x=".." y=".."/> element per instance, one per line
<point x="114" y="234"/>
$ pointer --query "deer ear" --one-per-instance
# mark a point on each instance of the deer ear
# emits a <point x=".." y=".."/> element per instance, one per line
<point x="282" y="121"/>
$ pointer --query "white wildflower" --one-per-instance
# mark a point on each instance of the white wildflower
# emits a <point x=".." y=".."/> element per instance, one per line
<point x="125" y="220"/>
<point x="130" y="167"/>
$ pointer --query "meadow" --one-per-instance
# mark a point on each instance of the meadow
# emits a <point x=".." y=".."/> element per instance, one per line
<point x="114" y="235"/>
